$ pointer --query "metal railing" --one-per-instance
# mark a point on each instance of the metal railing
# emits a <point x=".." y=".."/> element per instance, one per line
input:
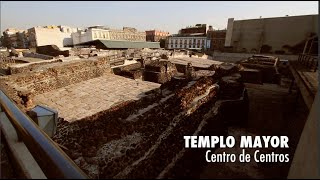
<point x="308" y="61"/>
<point x="50" y="157"/>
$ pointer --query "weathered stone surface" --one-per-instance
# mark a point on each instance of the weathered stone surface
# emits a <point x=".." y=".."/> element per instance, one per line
<point x="29" y="66"/>
<point x="251" y="75"/>
<point x="53" y="76"/>
<point x="267" y="65"/>
<point x="158" y="120"/>
<point x="84" y="99"/>
<point x="159" y="71"/>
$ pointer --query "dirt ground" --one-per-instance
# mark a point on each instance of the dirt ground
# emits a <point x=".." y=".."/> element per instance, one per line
<point x="273" y="111"/>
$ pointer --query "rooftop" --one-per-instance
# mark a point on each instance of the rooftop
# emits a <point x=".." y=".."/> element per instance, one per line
<point x="109" y="44"/>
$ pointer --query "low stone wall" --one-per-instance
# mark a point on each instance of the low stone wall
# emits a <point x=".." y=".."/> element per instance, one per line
<point x="36" y="55"/>
<point x="234" y="57"/>
<point x="27" y="67"/>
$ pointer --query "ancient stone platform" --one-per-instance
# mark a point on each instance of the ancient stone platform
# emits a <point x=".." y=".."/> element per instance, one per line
<point x="86" y="98"/>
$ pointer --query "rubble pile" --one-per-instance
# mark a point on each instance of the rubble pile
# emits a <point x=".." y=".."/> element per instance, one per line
<point x="260" y="69"/>
<point x="144" y="138"/>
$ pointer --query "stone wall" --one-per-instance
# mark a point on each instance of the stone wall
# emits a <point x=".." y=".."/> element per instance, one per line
<point x="36" y="55"/>
<point x="234" y="57"/>
<point x="51" y="50"/>
<point x="278" y="32"/>
<point x="159" y="71"/>
<point x="53" y="77"/>
<point x="27" y="67"/>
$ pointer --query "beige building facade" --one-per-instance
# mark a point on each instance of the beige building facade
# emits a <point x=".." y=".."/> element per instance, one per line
<point x="275" y="34"/>
<point x="102" y="33"/>
<point x="51" y="35"/>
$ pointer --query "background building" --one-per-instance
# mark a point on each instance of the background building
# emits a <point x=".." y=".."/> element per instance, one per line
<point x="155" y="35"/>
<point x="104" y="33"/>
<point x="186" y="42"/>
<point x="51" y="35"/>
<point x="271" y="34"/>
<point x="198" y="28"/>
<point x="216" y="39"/>
<point x="189" y="38"/>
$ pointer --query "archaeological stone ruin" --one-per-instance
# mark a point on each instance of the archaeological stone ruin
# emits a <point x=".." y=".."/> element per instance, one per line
<point x="123" y="113"/>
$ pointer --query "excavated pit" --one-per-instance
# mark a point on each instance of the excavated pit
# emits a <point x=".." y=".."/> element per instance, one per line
<point x="117" y="127"/>
<point x="143" y="138"/>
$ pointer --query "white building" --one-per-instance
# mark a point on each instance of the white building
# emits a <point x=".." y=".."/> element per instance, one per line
<point x="103" y="33"/>
<point x="187" y="42"/>
<point x="51" y="35"/>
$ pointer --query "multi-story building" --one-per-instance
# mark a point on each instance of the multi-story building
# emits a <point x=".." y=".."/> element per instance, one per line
<point x="51" y="35"/>
<point x="186" y="42"/>
<point x="104" y="33"/>
<point x="216" y="39"/>
<point x="155" y="35"/>
<point x="189" y="38"/>
<point x="267" y="35"/>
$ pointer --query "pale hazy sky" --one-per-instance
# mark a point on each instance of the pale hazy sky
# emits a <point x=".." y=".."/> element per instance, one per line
<point x="144" y="15"/>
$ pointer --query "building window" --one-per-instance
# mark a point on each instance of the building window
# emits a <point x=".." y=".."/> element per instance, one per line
<point x="202" y="41"/>
<point x="185" y="41"/>
<point x="176" y="45"/>
<point x="171" y="45"/>
<point x="176" y="41"/>
<point x="104" y="36"/>
<point x="190" y="41"/>
<point x="181" y="45"/>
